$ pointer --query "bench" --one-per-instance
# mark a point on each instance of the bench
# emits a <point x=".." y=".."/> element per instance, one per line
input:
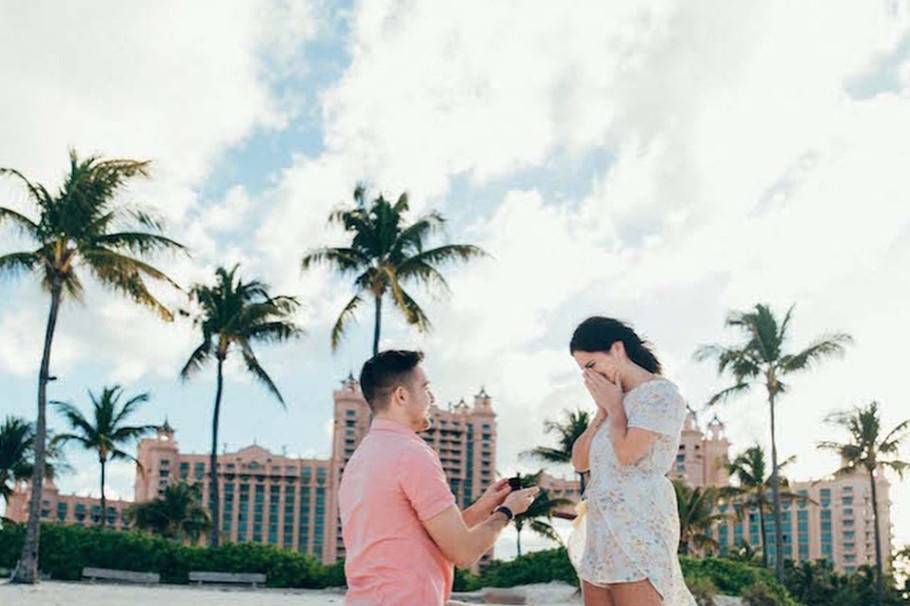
<point x="123" y="576"/>
<point x="252" y="578"/>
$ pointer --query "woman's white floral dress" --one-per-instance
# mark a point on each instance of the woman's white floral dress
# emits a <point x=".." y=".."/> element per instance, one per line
<point x="630" y="531"/>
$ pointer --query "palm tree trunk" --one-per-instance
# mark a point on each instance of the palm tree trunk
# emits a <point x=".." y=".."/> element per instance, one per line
<point x="214" y="504"/>
<point x="879" y="581"/>
<point x="775" y="490"/>
<point x="27" y="572"/>
<point x="28" y="568"/>
<point x="103" y="498"/>
<point x="761" y="521"/>
<point x="378" y="325"/>
<point x="518" y="539"/>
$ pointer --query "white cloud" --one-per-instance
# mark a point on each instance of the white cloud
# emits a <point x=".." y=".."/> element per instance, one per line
<point x="175" y="83"/>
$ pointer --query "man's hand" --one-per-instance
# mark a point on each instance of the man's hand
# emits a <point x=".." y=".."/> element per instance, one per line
<point x="494" y="495"/>
<point x="519" y="501"/>
<point x="491" y="498"/>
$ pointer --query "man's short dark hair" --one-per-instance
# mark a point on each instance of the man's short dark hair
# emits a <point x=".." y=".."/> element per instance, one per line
<point x="384" y="372"/>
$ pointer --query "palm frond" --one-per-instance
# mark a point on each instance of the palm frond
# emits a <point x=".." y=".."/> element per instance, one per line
<point x="20" y="262"/>
<point x="413" y="313"/>
<point x="137" y="242"/>
<point x="725" y="394"/>
<point x="344" y="260"/>
<point x="252" y="364"/>
<point x="347" y="314"/>
<point x="23" y="224"/>
<point x="197" y="359"/>
<point x="825" y="347"/>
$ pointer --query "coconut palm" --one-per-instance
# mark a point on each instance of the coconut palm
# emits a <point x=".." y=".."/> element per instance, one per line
<point x="235" y="314"/>
<point x="696" y="517"/>
<point x="869" y="449"/>
<point x="749" y="469"/>
<point x="106" y="432"/>
<point x="385" y="253"/>
<point x="176" y="514"/>
<point x="539" y="515"/>
<point x="760" y="358"/>
<point x="567" y="432"/>
<point x="16" y="440"/>
<point x="80" y="228"/>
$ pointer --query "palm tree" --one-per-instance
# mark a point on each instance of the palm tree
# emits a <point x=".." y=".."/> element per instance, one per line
<point x="749" y="469"/>
<point x="16" y="440"/>
<point x="696" y="516"/>
<point x="177" y="514"/>
<point x="384" y="254"/>
<point x="760" y="359"/>
<point x="539" y="516"/>
<point x="576" y="422"/>
<point x="867" y="450"/>
<point x="235" y="313"/>
<point x="80" y="227"/>
<point x="107" y="432"/>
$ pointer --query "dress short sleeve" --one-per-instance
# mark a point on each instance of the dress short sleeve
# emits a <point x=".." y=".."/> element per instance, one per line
<point x="423" y="482"/>
<point x="658" y="408"/>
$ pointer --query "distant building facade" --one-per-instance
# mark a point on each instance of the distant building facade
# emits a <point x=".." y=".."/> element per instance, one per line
<point x="289" y="501"/>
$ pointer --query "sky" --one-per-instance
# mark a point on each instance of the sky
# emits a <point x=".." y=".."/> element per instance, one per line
<point x="658" y="161"/>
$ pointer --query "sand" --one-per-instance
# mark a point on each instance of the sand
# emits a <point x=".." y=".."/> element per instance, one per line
<point x="57" y="593"/>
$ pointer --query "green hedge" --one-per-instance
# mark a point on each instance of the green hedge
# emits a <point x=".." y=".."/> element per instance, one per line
<point x="66" y="550"/>
<point x="734" y="578"/>
<point x="728" y="576"/>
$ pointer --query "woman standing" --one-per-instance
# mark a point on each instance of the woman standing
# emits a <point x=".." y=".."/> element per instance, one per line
<point x="625" y="549"/>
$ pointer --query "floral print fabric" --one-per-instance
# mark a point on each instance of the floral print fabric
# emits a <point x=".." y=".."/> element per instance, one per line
<point x="630" y="529"/>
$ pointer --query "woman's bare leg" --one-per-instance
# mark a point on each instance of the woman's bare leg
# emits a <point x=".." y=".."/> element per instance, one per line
<point x="596" y="596"/>
<point x="637" y="593"/>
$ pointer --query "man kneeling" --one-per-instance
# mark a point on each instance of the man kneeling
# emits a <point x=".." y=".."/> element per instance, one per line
<point x="401" y="527"/>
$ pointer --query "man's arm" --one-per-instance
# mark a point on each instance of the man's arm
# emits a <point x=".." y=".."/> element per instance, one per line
<point x="462" y="545"/>
<point x="481" y="509"/>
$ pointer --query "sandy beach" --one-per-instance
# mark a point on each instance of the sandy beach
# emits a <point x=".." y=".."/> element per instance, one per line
<point x="56" y="593"/>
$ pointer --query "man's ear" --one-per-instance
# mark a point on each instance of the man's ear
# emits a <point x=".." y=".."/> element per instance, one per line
<point x="398" y="395"/>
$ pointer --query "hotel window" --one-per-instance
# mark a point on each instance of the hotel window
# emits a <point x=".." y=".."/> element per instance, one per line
<point x="320" y="475"/>
<point x="184" y="470"/>
<point x="61" y="511"/>
<point x="199" y="471"/>
<point x="825" y="497"/>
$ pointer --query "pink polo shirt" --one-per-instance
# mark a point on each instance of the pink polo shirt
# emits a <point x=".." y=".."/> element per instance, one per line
<point x="393" y="481"/>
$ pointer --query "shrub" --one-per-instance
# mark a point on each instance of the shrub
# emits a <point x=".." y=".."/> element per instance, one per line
<point x="703" y="590"/>
<point x="66" y="550"/>
<point x="760" y="594"/>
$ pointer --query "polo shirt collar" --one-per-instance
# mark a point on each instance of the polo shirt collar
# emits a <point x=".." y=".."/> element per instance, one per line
<point x="393" y="426"/>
